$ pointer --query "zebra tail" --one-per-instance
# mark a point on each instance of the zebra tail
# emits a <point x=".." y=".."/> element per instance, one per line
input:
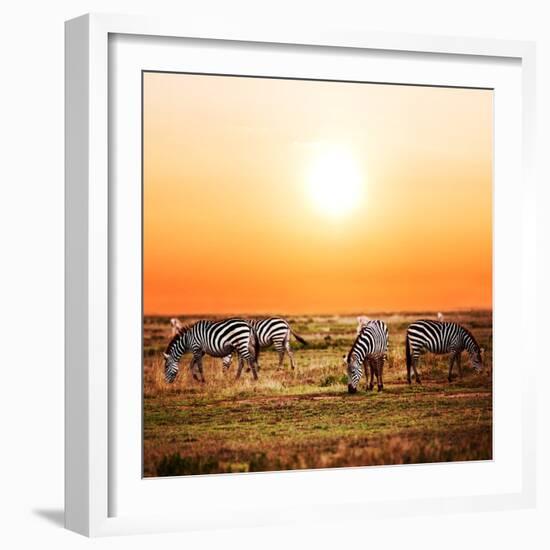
<point x="299" y="338"/>
<point x="408" y="352"/>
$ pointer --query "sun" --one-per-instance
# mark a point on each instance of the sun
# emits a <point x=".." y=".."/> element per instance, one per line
<point x="335" y="182"/>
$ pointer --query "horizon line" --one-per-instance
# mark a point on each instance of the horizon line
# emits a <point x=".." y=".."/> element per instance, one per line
<point x="320" y="314"/>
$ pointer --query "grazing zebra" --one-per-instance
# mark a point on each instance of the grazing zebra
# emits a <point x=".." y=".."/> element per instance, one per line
<point x="273" y="331"/>
<point x="370" y="349"/>
<point x="215" y="338"/>
<point x="438" y="337"/>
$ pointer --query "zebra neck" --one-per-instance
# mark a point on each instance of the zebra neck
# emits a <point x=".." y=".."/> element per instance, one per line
<point x="359" y="354"/>
<point x="470" y="344"/>
<point x="179" y="346"/>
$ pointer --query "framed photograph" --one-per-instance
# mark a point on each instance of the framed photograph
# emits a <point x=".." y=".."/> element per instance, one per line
<point x="295" y="268"/>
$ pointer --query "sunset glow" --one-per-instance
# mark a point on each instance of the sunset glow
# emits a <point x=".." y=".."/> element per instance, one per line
<point x="288" y="196"/>
<point x="335" y="183"/>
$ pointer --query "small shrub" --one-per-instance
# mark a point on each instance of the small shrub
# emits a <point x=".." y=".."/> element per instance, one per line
<point x="258" y="463"/>
<point x="333" y="380"/>
<point x="327" y="381"/>
<point x="176" y="465"/>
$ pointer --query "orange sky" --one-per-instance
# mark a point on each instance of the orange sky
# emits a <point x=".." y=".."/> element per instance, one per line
<point x="230" y="219"/>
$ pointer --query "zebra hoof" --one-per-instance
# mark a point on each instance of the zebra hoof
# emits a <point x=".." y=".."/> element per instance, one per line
<point x="351" y="389"/>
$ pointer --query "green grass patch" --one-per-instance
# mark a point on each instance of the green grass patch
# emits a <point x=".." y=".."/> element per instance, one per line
<point x="304" y="418"/>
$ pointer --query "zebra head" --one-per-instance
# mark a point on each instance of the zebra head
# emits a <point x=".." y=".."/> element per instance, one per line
<point x="354" y="372"/>
<point x="179" y="344"/>
<point x="171" y="367"/>
<point x="476" y="357"/>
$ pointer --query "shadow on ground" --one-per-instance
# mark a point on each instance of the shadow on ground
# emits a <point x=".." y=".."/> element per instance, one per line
<point x="56" y="517"/>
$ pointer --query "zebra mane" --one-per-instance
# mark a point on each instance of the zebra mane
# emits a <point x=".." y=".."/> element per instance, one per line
<point x="179" y="333"/>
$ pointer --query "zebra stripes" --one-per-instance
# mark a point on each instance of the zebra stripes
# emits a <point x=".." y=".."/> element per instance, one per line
<point x="440" y="338"/>
<point x="215" y="338"/>
<point x="272" y="331"/>
<point x="370" y="349"/>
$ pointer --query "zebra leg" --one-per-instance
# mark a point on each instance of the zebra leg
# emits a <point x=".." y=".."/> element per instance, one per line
<point x="241" y="362"/>
<point x="252" y="352"/>
<point x="248" y="368"/>
<point x="366" y="369"/>
<point x="226" y="362"/>
<point x="459" y="363"/>
<point x="371" y="370"/>
<point x="199" y="366"/>
<point x="281" y="359"/>
<point x="253" y="365"/>
<point x="290" y="354"/>
<point x="280" y="349"/>
<point x="416" y="376"/>
<point x="285" y="346"/>
<point x="376" y="372"/>
<point x="380" y="362"/>
<point x="240" y="368"/>
<point x="409" y="373"/>
<point x="253" y="362"/>
<point x="451" y="364"/>
<point x="192" y="369"/>
<point x="250" y="357"/>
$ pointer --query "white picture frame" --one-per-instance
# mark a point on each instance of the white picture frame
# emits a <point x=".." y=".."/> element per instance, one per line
<point x="92" y="398"/>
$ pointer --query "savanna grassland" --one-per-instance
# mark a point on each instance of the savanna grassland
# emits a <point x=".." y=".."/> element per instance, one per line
<point x="305" y="418"/>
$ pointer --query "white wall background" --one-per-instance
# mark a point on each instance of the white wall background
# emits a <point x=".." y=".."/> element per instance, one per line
<point x="31" y="265"/>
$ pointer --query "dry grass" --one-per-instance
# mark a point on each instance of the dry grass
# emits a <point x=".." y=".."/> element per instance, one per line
<point x="304" y="418"/>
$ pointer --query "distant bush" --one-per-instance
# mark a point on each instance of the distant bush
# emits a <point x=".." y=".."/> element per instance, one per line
<point x="258" y="463"/>
<point x="176" y="465"/>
